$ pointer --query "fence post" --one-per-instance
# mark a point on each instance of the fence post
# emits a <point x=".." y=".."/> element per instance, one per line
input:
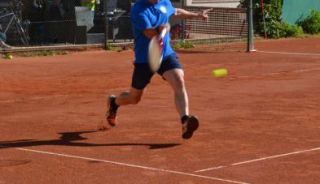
<point x="250" y="45"/>
<point x="106" y="24"/>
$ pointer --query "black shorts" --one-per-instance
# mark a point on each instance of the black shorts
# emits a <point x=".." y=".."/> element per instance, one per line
<point x="142" y="73"/>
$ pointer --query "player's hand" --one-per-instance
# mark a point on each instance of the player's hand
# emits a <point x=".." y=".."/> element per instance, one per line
<point x="204" y="14"/>
<point x="160" y="42"/>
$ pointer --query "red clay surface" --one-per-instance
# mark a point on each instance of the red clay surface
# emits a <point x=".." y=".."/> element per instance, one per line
<point x="260" y="124"/>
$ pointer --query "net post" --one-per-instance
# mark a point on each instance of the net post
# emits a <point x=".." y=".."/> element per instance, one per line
<point x="250" y="45"/>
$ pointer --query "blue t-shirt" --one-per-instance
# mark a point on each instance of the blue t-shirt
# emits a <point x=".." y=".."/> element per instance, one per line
<point x="145" y="15"/>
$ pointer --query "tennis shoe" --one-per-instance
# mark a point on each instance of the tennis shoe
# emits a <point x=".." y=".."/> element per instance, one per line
<point x="189" y="125"/>
<point x="111" y="114"/>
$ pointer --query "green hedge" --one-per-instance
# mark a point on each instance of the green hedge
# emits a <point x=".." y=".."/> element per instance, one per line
<point x="287" y="30"/>
<point x="311" y="24"/>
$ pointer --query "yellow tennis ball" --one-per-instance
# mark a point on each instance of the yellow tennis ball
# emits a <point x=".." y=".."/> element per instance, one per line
<point x="9" y="56"/>
<point x="220" y="72"/>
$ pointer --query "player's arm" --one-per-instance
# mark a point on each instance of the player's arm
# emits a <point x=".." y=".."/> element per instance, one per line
<point x="185" y="14"/>
<point x="149" y="33"/>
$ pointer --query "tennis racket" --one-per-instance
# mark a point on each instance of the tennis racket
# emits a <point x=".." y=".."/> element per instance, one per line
<point x="156" y="51"/>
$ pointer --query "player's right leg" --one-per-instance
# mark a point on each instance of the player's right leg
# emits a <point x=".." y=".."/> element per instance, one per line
<point x="189" y="125"/>
<point x="174" y="75"/>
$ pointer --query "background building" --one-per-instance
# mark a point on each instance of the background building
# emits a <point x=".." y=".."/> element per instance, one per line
<point x="213" y="3"/>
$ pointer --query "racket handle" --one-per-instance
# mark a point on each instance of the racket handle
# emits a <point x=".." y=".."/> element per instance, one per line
<point x="163" y="32"/>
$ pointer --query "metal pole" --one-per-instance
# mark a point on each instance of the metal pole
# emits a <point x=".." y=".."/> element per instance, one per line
<point x="183" y="23"/>
<point x="106" y="23"/>
<point x="264" y="19"/>
<point x="250" y="46"/>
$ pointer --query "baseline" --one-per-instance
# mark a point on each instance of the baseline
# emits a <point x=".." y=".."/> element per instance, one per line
<point x="129" y="165"/>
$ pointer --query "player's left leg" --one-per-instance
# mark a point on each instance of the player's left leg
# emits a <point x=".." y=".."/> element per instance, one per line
<point x="127" y="97"/>
<point x="111" y="114"/>
<point x="140" y="79"/>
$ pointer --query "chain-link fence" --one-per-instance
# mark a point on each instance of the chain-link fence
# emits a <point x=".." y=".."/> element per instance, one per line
<point x="11" y="24"/>
<point x="72" y="22"/>
<point x="56" y="22"/>
<point x="223" y="22"/>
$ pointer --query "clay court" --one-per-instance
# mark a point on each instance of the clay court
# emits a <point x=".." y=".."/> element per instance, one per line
<point x="260" y="124"/>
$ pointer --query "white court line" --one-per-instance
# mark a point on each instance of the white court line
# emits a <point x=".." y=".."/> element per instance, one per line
<point x="276" y="156"/>
<point x="130" y="165"/>
<point x="260" y="159"/>
<point x="277" y="73"/>
<point x="290" y="53"/>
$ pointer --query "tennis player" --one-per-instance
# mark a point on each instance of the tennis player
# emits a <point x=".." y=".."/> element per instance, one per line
<point x="148" y="18"/>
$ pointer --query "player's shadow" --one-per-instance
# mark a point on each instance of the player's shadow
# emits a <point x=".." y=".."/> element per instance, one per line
<point x="73" y="139"/>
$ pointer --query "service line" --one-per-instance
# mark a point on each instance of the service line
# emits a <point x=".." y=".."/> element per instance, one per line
<point x="290" y="53"/>
<point x="260" y="159"/>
